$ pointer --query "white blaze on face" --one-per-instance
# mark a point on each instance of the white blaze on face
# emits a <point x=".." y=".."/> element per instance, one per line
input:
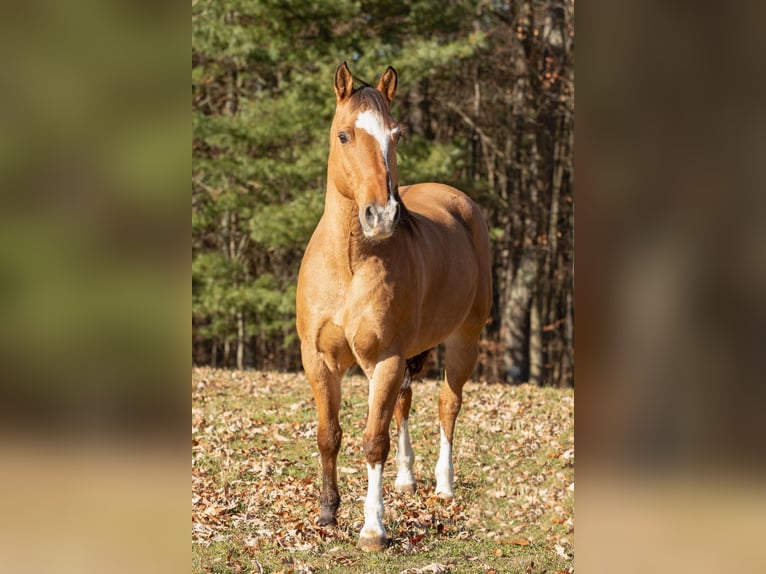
<point x="444" y="470"/>
<point x="373" y="504"/>
<point x="373" y="123"/>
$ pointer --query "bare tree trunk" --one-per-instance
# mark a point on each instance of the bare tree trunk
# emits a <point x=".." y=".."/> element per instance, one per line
<point x="240" y="340"/>
<point x="552" y="289"/>
<point x="559" y="150"/>
<point x="516" y="320"/>
<point x="535" y="343"/>
<point x="263" y="351"/>
<point x="253" y="350"/>
<point x="567" y="368"/>
<point x="475" y="136"/>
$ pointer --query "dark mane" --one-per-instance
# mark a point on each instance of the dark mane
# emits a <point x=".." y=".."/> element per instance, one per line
<point x="404" y="214"/>
<point x="368" y="97"/>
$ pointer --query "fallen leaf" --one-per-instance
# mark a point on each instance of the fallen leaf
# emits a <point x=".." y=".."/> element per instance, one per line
<point x="434" y="567"/>
<point x="520" y="541"/>
<point x="415" y="539"/>
<point x="256" y="477"/>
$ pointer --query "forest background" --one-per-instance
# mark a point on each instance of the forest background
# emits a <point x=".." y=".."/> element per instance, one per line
<point x="486" y="98"/>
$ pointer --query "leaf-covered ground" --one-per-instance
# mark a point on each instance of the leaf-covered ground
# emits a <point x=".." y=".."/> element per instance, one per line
<point x="256" y="481"/>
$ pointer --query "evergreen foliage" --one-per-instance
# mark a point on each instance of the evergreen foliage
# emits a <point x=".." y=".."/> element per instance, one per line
<point x="262" y="102"/>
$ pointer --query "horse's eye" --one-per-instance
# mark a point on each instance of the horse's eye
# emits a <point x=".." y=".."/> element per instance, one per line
<point x="343" y="137"/>
<point x="396" y="135"/>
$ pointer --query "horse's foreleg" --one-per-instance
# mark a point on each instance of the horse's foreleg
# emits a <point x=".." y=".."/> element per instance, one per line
<point x="325" y="386"/>
<point x="460" y="361"/>
<point x="405" y="480"/>
<point x="384" y="389"/>
<point x="329" y="436"/>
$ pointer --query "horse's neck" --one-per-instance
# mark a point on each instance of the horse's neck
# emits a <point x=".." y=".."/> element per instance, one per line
<point x="342" y="221"/>
<point x="340" y="213"/>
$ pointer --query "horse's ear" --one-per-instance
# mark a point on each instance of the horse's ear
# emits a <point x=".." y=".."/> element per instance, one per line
<point x="344" y="82"/>
<point x="387" y="83"/>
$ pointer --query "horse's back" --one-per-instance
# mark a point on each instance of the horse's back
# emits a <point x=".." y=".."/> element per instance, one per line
<point x="440" y="207"/>
<point x="438" y="202"/>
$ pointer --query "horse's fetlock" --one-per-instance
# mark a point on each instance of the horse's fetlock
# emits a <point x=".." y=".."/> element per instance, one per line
<point x="330" y="497"/>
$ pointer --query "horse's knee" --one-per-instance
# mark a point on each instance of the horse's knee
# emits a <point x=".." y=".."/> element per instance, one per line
<point x="376" y="448"/>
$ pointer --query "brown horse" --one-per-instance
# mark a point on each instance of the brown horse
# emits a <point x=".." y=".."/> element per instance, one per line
<point x="388" y="274"/>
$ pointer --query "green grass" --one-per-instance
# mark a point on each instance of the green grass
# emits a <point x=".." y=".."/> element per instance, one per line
<point x="256" y="481"/>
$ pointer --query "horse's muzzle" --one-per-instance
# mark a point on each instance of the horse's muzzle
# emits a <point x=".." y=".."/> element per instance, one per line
<point x="378" y="222"/>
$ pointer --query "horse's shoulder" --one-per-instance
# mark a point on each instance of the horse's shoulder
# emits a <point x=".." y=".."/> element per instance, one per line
<point x="317" y="259"/>
<point x="315" y="249"/>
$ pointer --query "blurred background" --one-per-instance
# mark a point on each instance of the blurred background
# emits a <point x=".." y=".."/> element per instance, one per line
<point x="92" y="173"/>
<point x="671" y="276"/>
<point x="486" y="101"/>
<point x="94" y="287"/>
<point x="94" y="258"/>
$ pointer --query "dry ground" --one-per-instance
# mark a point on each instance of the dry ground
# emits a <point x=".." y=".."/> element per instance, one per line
<point x="256" y="481"/>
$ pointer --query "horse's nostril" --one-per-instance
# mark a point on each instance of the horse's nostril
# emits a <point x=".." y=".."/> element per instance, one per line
<point x="369" y="215"/>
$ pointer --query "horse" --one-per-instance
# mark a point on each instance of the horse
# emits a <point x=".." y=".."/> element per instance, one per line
<point x="389" y="273"/>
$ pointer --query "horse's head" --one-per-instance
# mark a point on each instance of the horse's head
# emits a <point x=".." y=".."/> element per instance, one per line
<point x="363" y="141"/>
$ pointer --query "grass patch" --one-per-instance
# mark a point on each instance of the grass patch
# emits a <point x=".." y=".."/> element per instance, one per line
<point x="256" y="481"/>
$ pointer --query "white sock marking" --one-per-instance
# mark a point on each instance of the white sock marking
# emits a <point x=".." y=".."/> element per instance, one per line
<point x="444" y="469"/>
<point x="404" y="457"/>
<point x="373" y="504"/>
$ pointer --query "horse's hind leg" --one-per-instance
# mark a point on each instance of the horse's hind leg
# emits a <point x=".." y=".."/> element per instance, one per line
<point x="405" y="480"/>
<point x="461" y="352"/>
<point x="325" y="386"/>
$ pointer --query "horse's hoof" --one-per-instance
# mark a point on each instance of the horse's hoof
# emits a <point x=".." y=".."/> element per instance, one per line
<point x="372" y="543"/>
<point x="445" y="494"/>
<point x="327" y="521"/>
<point x="408" y="488"/>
